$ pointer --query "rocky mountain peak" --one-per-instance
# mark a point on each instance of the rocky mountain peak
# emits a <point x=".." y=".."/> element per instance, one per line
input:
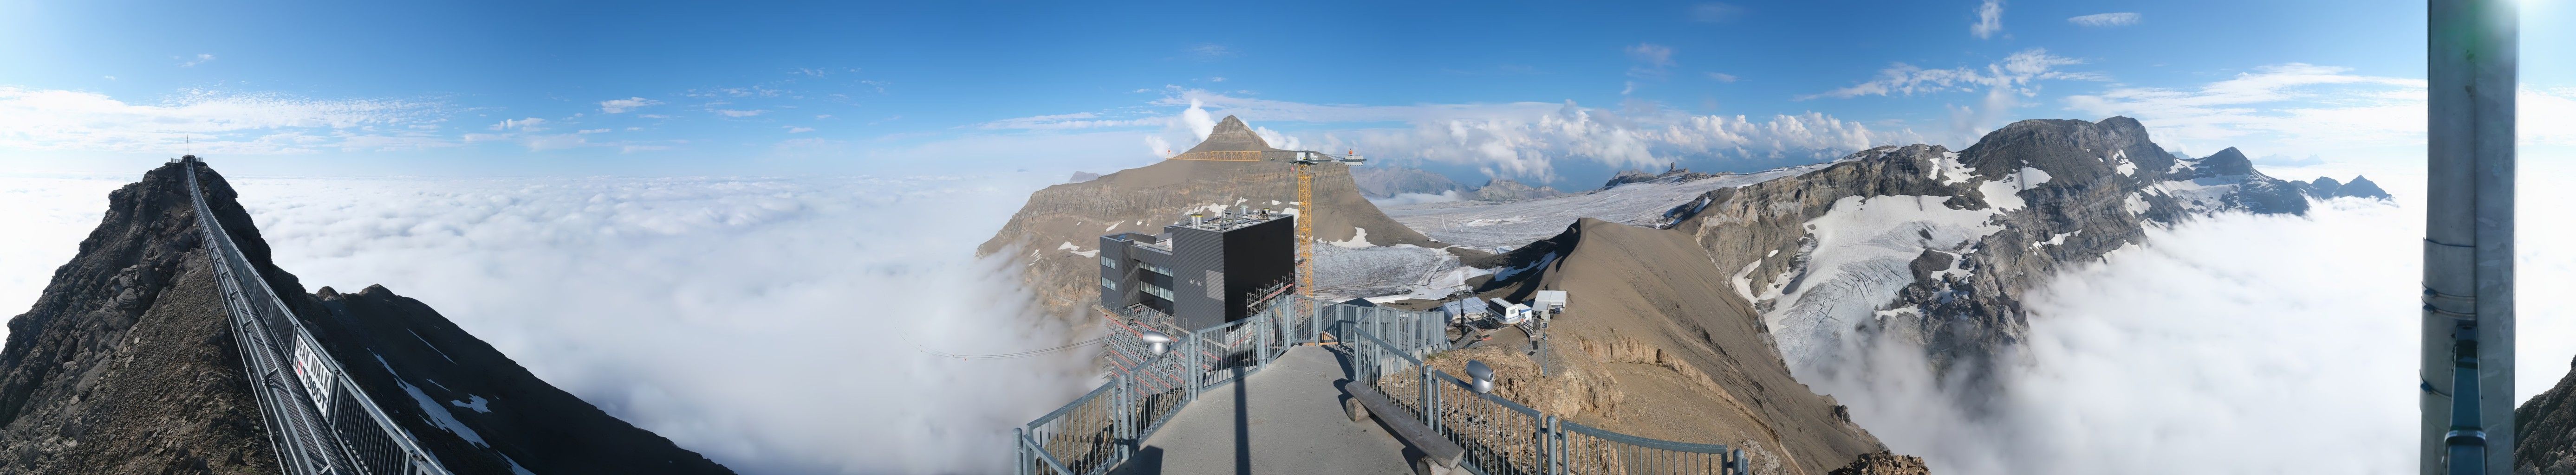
<point x="2076" y="150"/>
<point x="2226" y="162"/>
<point x="1232" y="135"/>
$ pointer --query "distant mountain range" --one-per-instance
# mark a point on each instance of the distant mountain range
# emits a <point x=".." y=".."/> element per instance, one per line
<point x="1729" y="286"/>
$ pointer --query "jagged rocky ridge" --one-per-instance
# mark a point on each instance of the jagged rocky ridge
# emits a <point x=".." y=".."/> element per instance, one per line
<point x="1924" y="244"/>
<point x="125" y="364"/>
<point x="1507" y="190"/>
<point x="1379" y="181"/>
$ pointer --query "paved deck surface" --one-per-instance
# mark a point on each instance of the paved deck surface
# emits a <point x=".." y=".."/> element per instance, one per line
<point x="1295" y="426"/>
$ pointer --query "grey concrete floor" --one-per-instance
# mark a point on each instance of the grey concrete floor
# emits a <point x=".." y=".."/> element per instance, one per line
<point x="1295" y="425"/>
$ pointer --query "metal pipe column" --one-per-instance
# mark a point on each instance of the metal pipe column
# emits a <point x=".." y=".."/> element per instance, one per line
<point x="2468" y="237"/>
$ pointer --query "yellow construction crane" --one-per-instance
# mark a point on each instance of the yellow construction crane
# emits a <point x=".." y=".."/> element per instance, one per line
<point x="1303" y="163"/>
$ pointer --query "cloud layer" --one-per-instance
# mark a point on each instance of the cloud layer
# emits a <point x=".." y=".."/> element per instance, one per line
<point x="775" y="325"/>
<point x="217" y="122"/>
<point x="1520" y="140"/>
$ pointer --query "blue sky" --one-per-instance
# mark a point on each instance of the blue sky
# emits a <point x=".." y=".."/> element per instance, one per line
<point x="1563" y="92"/>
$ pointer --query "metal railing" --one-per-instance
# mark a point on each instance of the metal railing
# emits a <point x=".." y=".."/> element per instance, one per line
<point x="1507" y="438"/>
<point x="320" y="422"/>
<point x="1100" y="430"/>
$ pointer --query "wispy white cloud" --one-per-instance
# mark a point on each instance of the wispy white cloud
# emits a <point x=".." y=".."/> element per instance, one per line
<point x="739" y="113"/>
<point x="2294" y="104"/>
<point x="2019" y="70"/>
<point x="620" y="106"/>
<point x="798" y="130"/>
<point x="2004" y="83"/>
<point x="1079" y="120"/>
<point x="1208" y="51"/>
<point x="1722" y="77"/>
<point x="1652" y="59"/>
<point x="531" y="124"/>
<point x="1714" y="12"/>
<point x="217" y="122"/>
<point x="2105" y="19"/>
<point x="193" y="61"/>
<point x="1990" y="19"/>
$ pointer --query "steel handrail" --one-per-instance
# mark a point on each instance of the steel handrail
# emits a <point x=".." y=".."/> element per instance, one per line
<point x="254" y="333"/>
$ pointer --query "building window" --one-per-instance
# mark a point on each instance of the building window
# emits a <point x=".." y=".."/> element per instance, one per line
<point x="1166" y="272"/>
<point x="1105" y="261"/>
<point x="1112" y="284"/>
<point x="1158" y="291"/>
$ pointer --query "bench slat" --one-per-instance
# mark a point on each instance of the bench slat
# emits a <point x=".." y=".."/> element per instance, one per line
<point x="1411" y="429"/>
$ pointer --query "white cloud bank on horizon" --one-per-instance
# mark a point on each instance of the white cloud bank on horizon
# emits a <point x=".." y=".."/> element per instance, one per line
<point x="774" y="325"/>
<point x="217" y="122"/>
<point x="1522" y="140"/>
<point x="2254" y="344"/>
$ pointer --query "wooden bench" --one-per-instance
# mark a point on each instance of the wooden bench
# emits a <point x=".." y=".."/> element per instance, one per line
<point x="1440" y="456"/>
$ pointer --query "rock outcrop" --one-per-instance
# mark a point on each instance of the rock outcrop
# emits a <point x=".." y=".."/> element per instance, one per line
<point x="1507" y="190"/>
<point x="2544" y="431"/>
<point x="1675" y="174"/>
<point x="1884" y="463"/>
<point x="1380" y="182"/>
<point x="126" y="364"/>
<point x="1057" y="234"/>
<point x="2326" y="188"/>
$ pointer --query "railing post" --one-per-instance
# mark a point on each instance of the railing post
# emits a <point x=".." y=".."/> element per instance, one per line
<point x="1020" y="448"/>
<point x="1430" y="398"/>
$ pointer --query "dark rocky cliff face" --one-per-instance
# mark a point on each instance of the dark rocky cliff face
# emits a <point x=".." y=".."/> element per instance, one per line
<point x="478" y="409"/>
<point x="126" y="364"/>
<point x="1964" y="233"/>
<point x="2545" y="431"/>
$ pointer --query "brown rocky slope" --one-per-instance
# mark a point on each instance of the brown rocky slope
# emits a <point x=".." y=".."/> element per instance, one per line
<point x="1642" y="349"/>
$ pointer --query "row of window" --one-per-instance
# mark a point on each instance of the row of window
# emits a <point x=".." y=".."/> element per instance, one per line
<point x="1105" y="261"/>
<point x="1112" y="284"/>
<point x="1158" y="290"/>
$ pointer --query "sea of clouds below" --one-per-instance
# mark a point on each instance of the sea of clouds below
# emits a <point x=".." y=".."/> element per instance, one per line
<point x="778" y="325"/>
<point x="774" y="325"/>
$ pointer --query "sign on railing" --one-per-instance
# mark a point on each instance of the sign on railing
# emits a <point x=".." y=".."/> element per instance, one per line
<point x="319" y="421"/>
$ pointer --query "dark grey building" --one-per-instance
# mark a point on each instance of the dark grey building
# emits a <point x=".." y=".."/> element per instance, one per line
<point x="1202" y="271"/>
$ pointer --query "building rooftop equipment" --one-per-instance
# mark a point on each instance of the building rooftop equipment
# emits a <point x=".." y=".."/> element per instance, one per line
<point x="1551" y="300"/>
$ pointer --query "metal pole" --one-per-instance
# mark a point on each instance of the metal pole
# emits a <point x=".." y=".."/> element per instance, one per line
<point x="2468" y="322"/>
